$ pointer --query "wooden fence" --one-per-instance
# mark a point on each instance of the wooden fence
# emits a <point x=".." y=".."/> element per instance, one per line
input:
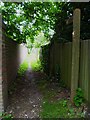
<point x="61" y="55"/>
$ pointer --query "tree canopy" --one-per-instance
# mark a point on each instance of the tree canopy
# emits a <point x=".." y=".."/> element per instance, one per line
<point x="26" y="20"/>
<point x="63" y="32"/>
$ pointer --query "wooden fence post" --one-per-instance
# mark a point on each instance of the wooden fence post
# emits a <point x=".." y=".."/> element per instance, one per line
<point x="75" y="52"/>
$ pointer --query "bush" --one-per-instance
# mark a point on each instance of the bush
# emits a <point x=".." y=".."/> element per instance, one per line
<point x="79" y="97"/>
<point x="23" y="67"/>
<point x="36" y="66"/>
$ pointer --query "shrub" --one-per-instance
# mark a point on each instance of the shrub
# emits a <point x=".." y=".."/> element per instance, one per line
<point x="36" y="66"/>
<point x="23" y="67"/>
<point x="79" y="97"/>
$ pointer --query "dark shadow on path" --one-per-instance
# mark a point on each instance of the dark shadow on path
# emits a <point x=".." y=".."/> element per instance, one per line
<point x="25" y="101"/>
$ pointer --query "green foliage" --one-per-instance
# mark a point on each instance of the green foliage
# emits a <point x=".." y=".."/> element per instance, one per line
<point x="40" y="40"/>
<point x="60" y="109"/>
<point x="63" y="32"/>
<point x="64" y="103"/>
<point x="50" y="108"/>
<point x="36" y="66"/>
<point x="28" y="19"/>
<point x="79" y="97"/>
<point x="23" y="67"/>
<point x="6" y="116"/>
<point x="45" y="57"/>
<point x="75" y="113"/>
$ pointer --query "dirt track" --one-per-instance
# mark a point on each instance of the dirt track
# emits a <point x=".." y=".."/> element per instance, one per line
<point x="26" y="99"/>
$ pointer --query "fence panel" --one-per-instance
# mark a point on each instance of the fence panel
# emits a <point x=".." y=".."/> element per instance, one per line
<point x="69" y="57"/>
<point x="66" y="64"/>
<point x="84" y="63"/>
<point x="89" y="72"/>
<point x="63" y="55"/>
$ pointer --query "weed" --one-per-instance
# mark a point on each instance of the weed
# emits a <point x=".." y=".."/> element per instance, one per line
<point x="6" y="116"/>
<point x="53" y="109"/>
<point x="79" y="97"/>
<point x="64" y="103"/>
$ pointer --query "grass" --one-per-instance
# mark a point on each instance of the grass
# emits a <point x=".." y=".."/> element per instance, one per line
<point x="56" y="108"/>
<point x="36" y="66"/>
<point x="23" y="67"/>
<point x="53" y="109"/>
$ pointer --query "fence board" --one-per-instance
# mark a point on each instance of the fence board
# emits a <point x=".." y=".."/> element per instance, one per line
<point x="63" y="58"/>
<point x="84" y="68"/>
<point x="63" y="64"/>
<point x="69" y="64"/>
<point x="82" y="75"/>
<point x="66" y="62"/>
<point x="89" y="72"/>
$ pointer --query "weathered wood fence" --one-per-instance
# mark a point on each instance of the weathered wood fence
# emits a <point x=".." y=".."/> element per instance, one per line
<point x="61" y="55"/>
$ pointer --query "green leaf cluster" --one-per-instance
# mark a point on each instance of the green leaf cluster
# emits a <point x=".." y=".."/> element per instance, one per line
<point x="36" y="66"/>
<point x="27" y="19"/>
<point x="79" y="97"/>
<point x="6" y="116"/>
<point x="23" y="67"/>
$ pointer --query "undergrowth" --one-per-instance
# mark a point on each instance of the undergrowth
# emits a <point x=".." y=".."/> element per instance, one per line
<point x="79" y="97"/>
<point x="6" y="116"/>
<point x="23" y="67"/>
<point x="60" y="109"/>
<point x="57" y="108"/>
<point x="36" y="66"/>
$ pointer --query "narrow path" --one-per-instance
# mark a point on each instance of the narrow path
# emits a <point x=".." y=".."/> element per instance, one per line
<point x="35" y="92"/>
<point x="25" y="102"/>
